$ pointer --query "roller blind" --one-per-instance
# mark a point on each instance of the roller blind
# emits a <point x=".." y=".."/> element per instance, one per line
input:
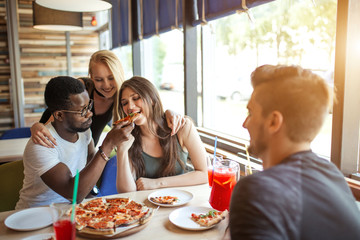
<point x="151" y="17"/>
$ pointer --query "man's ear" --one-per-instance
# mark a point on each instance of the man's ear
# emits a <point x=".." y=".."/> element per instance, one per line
<point x="275" y="121"/>
<point x="58" y="115"/>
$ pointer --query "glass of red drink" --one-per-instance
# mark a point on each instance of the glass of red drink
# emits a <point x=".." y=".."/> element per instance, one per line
<point x="225" y="176"/>
<point x="63" y="227"/>
<point x="210" y="162"/>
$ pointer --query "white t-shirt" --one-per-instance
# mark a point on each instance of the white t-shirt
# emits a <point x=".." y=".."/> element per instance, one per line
<point x="38" y="160"/>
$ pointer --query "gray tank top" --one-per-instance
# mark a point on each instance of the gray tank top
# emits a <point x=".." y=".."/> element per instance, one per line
<point x="152" y="164"/>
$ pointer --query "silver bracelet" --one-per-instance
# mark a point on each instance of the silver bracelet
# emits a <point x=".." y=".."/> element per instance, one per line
<point x="103" y="155"/>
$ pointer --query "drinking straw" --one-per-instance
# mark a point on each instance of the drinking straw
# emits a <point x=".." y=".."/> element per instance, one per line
<point x="215" y="146"/>
<point x="214" y="159"/>
<point x="75" y="195"/>
<point x="248" y="159"/>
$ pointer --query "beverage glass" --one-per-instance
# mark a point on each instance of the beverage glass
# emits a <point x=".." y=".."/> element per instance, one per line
<point x="226" y="174"/>
<point x="251" y="169"/>
<point x="63" y="227"/>
<point x="210" y="162"/>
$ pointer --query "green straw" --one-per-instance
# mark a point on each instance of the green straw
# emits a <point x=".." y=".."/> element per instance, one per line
<point x="75" y="195"/>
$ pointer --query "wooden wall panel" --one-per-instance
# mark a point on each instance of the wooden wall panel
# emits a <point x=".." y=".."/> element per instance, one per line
<point x="43" y="56"/>
<point x="6" y="113"/>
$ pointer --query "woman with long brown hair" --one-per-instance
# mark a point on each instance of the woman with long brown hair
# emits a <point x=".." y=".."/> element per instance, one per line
<point x="153" y="157"/>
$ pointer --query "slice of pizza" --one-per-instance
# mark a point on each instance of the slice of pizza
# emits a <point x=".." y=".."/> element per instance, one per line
<point x="123" y="219"/>
<point x="132" y="213"/>
<point x="119" y="201"/>
<point x="208" y="219"/>
<point x="97" y="205"/>
<point x="170" y="200"/>
<point x="132" y="205"/>
<point x="83" y="217"/>
<point x="100" y="226"/>
<point x="129" y="118"/>
<point x="114" y="204"/>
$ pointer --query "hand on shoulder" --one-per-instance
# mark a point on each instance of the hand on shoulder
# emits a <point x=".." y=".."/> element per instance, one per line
<point x="186" y="128"/>
<point x="41" y="135"/>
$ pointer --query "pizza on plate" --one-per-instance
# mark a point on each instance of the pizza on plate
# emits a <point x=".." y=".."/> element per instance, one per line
<point x="103" y="216"/>
<point x="208" y="219"/>
<point x="165" y="199"/>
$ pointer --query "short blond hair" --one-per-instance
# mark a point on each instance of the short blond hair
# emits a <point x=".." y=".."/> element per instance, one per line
<point x="112" y="61"/>
<point x="302" y="97"/>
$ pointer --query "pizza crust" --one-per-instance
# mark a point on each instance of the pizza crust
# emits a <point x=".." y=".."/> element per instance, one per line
<point x="118" y="234"/>
<point x="99" y="232"/>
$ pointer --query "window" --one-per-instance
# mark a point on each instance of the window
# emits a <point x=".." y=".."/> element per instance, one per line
<point x="164" y="67"/>
<point x="284" y="32"/>
<point x="298" y="33"/>
<point x="125" y="55"/>
<point x="346" y="134"/>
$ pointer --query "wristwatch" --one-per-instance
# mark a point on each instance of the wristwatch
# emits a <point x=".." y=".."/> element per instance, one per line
<point x="95" y="191"/>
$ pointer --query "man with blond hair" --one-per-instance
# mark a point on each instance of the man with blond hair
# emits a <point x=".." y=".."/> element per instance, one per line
<point x="298" y="195"/>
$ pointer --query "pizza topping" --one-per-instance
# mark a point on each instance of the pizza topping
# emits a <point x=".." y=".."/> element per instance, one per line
<point x="134" y="205"/>
<point x="97" y="204"/>
<point x="117" y="201"/>
<point x="165" y="199"/>
<point x="210" y="214"/>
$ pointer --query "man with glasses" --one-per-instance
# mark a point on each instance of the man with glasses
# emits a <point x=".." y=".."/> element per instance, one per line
<point x="50" y="172"/>
<point x="83" y="111"/>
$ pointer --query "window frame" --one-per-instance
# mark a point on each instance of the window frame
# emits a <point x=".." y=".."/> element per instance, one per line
<point x="344" y="143"/>
<point x="346" y="114"/>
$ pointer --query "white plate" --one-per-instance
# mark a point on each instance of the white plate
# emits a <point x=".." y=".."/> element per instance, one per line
<point x="184" y="196"/>
<point x="29" y="219"/>
<point x="41" y="236"/>
<point x="182" y="217"/>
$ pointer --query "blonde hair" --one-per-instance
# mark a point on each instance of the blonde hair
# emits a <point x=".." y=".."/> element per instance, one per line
<point x="302" y="97"/>
<point x="112" y="61"/>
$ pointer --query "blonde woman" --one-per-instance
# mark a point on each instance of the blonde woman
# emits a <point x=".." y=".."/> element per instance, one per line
<point x="106" y="76"/>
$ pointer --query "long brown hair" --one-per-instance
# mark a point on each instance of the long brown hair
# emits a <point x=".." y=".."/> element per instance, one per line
<point x="157" y="126"/>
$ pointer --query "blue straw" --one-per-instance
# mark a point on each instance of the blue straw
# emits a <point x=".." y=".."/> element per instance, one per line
<point x="215" y="147"/>
<point x="214" y="159"/>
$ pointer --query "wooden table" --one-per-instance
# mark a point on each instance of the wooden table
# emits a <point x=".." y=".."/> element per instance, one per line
<point x="12" y="149"/>
<point x="159" y="226"/>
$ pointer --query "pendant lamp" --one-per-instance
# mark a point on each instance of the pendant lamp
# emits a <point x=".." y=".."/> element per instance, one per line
<point x="75" y="5"/>
<point x="55" y="20"/>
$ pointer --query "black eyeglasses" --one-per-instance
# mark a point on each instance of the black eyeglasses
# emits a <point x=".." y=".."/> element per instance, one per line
<point x="84" y="111"/>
